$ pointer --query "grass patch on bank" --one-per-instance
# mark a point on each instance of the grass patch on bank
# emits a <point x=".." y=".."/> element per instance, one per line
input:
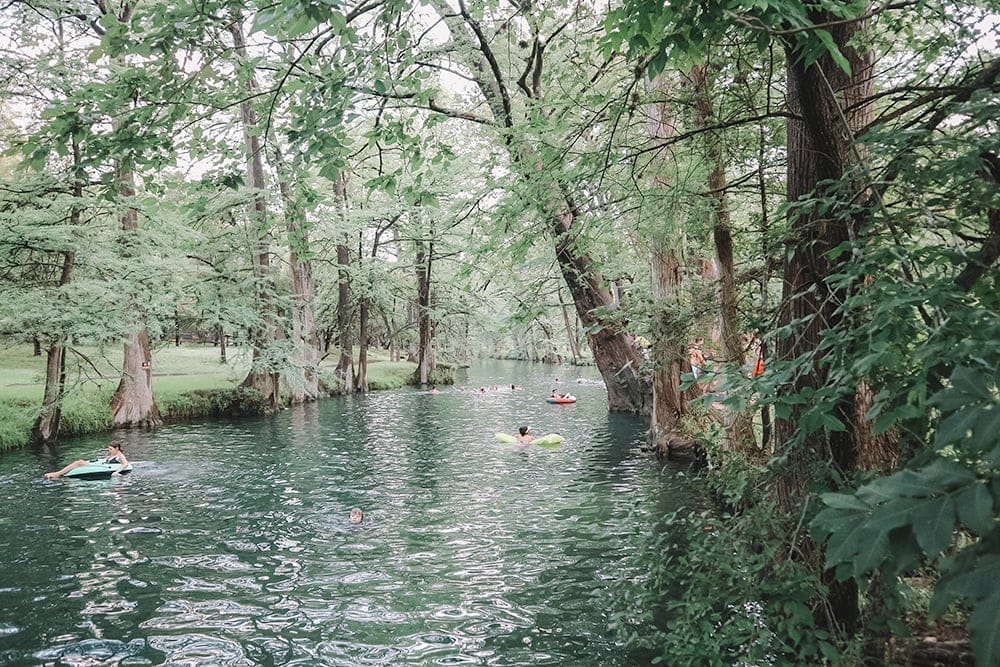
<point x="189" y="382"/>
<point x="389" y="374"/>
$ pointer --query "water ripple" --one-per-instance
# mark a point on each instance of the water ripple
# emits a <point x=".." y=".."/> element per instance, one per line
<point x="229" y="544"/>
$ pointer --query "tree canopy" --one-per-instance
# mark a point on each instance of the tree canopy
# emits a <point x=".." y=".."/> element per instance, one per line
<point x="810" y="186"/>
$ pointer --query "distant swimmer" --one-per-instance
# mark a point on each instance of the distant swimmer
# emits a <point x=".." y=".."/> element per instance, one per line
<point x="524" y="434"/>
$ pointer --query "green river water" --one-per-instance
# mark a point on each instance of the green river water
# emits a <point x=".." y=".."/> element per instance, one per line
<point x="229" y="543"/>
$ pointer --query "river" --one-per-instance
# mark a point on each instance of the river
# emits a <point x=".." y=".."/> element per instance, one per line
<point x="229" y="542"/>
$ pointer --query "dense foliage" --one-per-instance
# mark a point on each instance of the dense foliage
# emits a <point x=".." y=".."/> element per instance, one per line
<point x="810" y="185"/>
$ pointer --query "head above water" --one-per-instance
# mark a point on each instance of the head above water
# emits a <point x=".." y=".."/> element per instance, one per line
<point x="524" y="430"/>
<point x="357" y="516"/>
<point x="116" y="445"/>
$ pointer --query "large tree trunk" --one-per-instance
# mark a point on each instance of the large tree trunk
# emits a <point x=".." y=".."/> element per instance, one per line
<point x="614" y="353"/>
<point x="614" y="350"/>
<point x="263" y="377"/>
<point x="666" y="351"/>
<point x="759" y="345"/>
<point x="668" y="333"/>
<point x="132" y="403"/>
<point x="304" y="337"/>
<point x="819" y="150"/>
<point x="46" y="428"/>
<point x="821" y="98"/>
<point x="739" y="428"/>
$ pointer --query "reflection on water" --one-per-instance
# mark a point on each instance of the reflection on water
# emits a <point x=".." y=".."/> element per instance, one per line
<point x="229" y="544"/>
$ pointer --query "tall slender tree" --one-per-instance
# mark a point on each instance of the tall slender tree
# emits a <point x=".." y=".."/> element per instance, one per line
<point x="304" y="386"/>
<point x="739" y="428"/>
<point x="613" y="348"/>
<point x="666" y="258"/>
<point x="264" y="372"/>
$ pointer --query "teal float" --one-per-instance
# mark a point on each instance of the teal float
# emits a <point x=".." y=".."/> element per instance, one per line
<point x="97" y="469"/>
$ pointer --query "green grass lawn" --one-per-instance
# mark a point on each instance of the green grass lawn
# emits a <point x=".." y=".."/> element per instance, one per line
<point x="179" y="373"/>
<point x="175" y="370"/>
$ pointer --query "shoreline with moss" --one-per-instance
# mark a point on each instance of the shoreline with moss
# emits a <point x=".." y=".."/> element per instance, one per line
<point x="190" y="382"/>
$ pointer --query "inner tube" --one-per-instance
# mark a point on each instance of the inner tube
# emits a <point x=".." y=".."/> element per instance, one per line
<point x="547" y="440"/>
<point x="561" y="399"/>
<point x="97" y="469"/>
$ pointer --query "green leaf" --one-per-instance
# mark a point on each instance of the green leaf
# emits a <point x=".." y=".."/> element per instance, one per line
<point x="844" y="501"/>
<point x="948" y="474"/>
<point x="934" y="524"/>
<point x="826" y="39"/>
<point x="955" y="427"/>
<point x="892" y="514"/>
<point x="968" y="387"/>
<point x="832" y="520"/>
<point x="986" y="429"/>
<point x="904" y="552"/>
<point x="976" y="579"/>
<point x="871" y="551"/>
<point x="984" y="630"/>
<point x="975" y="508"/>
<point x="830" y="652"/>
<point x="861" y="543"/>
<point x="903" y="483"/>
<point x="843" y="544"/>
<point x="971" y="382"/>
<point x="831" y="423"/>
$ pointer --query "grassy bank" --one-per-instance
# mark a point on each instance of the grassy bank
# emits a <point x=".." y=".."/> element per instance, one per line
<point x="189" y="382"/>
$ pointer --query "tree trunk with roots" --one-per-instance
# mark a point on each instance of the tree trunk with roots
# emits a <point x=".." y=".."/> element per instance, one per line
<point x="613" y="349"/>
<point x="132" y="403"/>
<point x="305" y="341"/>
<point x="263" y="377"/>
<point x="827" y="106"/>
<point x="668" y="333"/>
<point x="46" y="428"/>
<point x="666" y="351"/>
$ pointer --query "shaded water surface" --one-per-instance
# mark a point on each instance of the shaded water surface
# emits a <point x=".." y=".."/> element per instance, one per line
<point x="229" y="543"/>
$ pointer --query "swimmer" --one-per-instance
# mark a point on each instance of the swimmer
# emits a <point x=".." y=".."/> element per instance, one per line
<point x="115" y="455"/>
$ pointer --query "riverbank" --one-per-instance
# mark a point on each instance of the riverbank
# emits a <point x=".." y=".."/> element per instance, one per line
<point x="190" y="382"/>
